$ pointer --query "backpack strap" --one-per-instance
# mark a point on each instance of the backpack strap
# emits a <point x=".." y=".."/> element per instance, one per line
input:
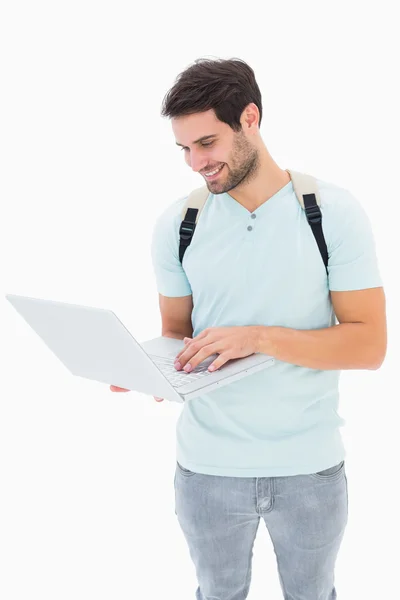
<point x="305" y="188"/>
<point x="190" y="215"/>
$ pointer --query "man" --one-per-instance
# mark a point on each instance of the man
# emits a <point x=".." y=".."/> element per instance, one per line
<point x="253" y="280"/>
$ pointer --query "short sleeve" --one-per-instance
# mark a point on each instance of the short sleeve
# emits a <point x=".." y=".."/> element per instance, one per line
<point x="353" y="263"/>
<point x="170" y="276"/>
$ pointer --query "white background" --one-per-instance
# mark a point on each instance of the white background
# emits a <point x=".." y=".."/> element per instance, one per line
<point x="87" y="164"/>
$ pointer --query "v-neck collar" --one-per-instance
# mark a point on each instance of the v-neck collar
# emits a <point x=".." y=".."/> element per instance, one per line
<point x="265" y="206"/>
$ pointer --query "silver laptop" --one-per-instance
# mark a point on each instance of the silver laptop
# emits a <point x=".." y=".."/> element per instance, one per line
<point x="94" y="344"/>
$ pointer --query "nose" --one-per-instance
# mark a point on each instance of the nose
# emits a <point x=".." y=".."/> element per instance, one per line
<point x="198" y="162"/>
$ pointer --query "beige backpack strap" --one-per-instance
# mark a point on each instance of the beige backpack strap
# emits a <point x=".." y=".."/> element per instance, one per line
<point x="306" y="190"/>
<point x="196" y="199"/>
<point x="307" y="193"/>
<point x="304" y="184"/>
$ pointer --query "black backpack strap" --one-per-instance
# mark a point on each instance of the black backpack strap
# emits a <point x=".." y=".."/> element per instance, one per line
<point x="307" y="193"/>
<point x="190" y="215"/>
<point x="314" y="218"/>
<point x="306" y="190"/>
<point x="186" y="231"/>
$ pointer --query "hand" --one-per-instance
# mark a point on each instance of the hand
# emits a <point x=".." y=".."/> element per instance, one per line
<point x="156" y="398"/>
<point x="115" y="388"/>
<point x="228" y="342"/>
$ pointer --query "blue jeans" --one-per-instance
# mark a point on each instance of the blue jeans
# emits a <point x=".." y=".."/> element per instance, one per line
<point x="305" y="515"/>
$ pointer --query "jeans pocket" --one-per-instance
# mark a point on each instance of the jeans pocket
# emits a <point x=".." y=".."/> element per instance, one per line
<point x="330" y="473"/>
<point x="184" y="471"/>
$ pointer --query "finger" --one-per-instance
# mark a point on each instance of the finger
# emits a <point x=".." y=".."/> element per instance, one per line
<point x="201" y="335"/>
<point x="177" y="357"/>
<point x="188" y="340"/>
<point x="182" y="359"/>
<point x="185" y="355"/>
<point x="198" y="357"/>
<point x="158" y="399"/>
<point x="218" y="362"/>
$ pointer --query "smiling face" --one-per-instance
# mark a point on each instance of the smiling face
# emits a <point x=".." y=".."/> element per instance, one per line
<point x="209" y="144"/>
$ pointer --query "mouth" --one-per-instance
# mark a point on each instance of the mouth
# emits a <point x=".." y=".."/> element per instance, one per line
<point x="211" y="177"/>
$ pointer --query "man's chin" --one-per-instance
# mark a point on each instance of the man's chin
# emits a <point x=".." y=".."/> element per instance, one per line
<point x="215" y="188"/>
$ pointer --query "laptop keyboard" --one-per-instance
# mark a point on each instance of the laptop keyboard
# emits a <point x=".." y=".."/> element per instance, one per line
<point x="179" y="378"/>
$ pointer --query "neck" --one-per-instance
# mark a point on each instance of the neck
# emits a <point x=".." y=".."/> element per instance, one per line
<point x="269" y="179"/>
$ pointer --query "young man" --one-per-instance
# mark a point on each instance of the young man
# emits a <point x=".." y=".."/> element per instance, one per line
<point x="253" y="280"/>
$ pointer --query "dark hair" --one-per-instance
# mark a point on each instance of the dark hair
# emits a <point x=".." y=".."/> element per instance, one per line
<point x="227" y="86"/>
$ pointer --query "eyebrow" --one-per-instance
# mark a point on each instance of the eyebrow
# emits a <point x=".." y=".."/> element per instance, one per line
<point x="205" y="137"/>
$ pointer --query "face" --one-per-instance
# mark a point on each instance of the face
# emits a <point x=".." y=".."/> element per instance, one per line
<point x="235" y="152"/>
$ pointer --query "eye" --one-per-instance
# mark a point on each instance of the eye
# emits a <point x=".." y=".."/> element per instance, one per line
<point x="204" y="145"/>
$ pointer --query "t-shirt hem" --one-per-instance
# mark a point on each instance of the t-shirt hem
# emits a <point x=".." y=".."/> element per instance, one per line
<point x="261" y="471"/>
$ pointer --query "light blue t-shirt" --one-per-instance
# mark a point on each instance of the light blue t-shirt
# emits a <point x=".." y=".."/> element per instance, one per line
<point x="265" y="268"/>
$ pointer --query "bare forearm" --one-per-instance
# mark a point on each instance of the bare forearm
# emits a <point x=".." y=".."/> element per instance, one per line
<point x="343" y="346"/>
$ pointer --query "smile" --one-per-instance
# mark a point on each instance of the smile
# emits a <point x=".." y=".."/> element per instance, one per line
<point x="213" y="174"/>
